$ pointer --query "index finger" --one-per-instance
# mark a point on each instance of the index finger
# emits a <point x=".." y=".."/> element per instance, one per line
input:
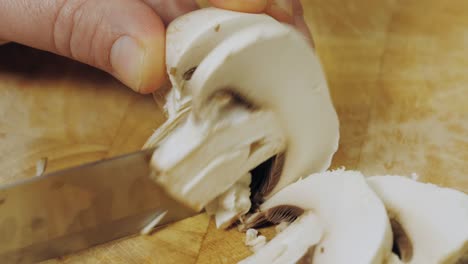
<point x="286" y="11"/>
<point x="290" y="12"/>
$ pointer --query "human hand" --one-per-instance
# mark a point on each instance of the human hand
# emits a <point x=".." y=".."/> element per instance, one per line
<point x="125" y="38"/>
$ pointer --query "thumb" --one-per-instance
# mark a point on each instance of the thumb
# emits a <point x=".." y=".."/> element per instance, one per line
<point x="122" y="37"/>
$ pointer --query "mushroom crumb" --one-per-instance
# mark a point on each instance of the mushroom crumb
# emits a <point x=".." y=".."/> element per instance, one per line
<point x="250" y="235"/>
<point x="41" y="166"/>
<point x="173" y="71"/>
<point x="217" y="28"/>
<point x="253" y="240"/>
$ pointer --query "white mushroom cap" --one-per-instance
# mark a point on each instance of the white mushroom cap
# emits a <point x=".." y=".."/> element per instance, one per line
<point x="273" y="67"/>
<point x="434" y="219"/>
<point x="356" y="226"/>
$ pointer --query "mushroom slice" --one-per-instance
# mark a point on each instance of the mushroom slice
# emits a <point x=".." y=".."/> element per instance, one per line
<point x="290" y="245"/>
<point x="430" y="223"/>
<point x="355" y="224"/>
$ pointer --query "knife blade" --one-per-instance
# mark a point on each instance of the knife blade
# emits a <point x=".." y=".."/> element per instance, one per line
<point x="73" y="209"/>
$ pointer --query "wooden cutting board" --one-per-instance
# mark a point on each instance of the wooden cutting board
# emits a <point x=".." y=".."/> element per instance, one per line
<point x="398" y="77"/>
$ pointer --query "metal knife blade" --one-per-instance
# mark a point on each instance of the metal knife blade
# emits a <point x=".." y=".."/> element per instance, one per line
<point x="62" y="212"/>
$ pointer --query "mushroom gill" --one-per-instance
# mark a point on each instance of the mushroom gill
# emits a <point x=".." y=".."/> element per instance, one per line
<point x="402" y="245"/>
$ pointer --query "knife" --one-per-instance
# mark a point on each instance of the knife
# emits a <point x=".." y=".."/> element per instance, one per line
<point x="73" y="209"/>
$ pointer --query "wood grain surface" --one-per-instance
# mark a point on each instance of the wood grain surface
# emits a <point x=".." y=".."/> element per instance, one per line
<point x="398" y="77"/>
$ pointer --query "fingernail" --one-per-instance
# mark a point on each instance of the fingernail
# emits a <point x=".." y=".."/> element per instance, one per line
<point x="126" y="59"/>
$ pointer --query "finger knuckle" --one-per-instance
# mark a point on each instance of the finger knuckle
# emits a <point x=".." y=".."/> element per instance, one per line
<point x="78" y="32"/>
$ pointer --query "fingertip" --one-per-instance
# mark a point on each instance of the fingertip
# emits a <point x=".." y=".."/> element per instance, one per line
<point x="249" y="6"/>
<point x="153" y="68"/>
<point x="153" y="71"/>
<point x="139" y="63"/>
<point x="138" y="58"/>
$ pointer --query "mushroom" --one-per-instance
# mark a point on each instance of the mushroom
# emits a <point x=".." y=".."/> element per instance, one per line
<point x="353" y="220"/>
<point x="189" y="39"/>
<point x="430" y="223"/>
<point x="258" y="94"/>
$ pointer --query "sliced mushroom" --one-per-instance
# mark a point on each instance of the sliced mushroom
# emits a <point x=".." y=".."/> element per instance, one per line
<point x="290" y="245"/>
<point x="249" y="104"/>
<point x="430" y="223"/>
<point x="356" y="228"/>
